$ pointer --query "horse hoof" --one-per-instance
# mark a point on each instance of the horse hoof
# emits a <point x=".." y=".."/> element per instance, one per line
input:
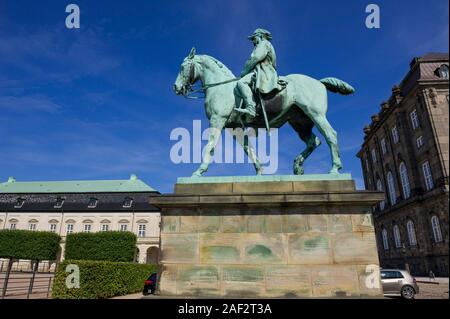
<point x="196" y="174"/>
<point x="334" y="171"/>
<point x="298" y="170"/>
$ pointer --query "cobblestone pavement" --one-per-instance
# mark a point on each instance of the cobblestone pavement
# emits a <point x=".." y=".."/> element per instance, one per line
<point x="432" y="291"/>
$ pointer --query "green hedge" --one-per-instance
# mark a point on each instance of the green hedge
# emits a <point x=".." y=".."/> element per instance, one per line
<point x="108" y="246"/>
<point x="26" y="244"/>
<point x="101" y="279"/>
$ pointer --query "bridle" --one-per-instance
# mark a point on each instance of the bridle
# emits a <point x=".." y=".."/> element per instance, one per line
<point x="190" y="89"/>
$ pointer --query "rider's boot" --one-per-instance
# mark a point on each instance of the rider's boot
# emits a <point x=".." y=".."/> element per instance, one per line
<point x="249" y="111"/>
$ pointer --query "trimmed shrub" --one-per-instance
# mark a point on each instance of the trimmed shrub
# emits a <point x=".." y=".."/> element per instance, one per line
<point x="108" y="246"/>
<point x="26" y="244"/>
<point x="101" y="279"/>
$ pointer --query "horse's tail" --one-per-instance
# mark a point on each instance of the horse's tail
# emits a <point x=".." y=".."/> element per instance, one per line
<point x="337" y="86"/>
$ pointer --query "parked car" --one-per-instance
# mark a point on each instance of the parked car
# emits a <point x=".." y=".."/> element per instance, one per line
<point x="397" y="282"/>
<point x="150" y="284"/>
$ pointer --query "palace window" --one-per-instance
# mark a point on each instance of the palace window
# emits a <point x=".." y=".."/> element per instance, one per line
<point x="397" y="239"/>
<point x="437" y="234"/>
<point x="395" y="138"/>
<point x="87" y="228"/>
<point x="141" y="230"/>
<point x="59" y="202"/>
<point x="391" y="188"/>
<point x="419" y="142"/>
<point x="384" y="235"/>
<point x="383" y="146"/>
<point x="52" y="227"/>
<point x="426" y="169"/>
<point x="104" y="227"/>
<point x="405" y="181"/>
<point x="12" y="226"/>
<point x="411" y="233"/>
<point x="414" y="119"/>
<point x="32" y="226"/>
<point x="92" y="202"/>
<point x="443" y="71"/>
<point x="127" y="202"/>
<point x="19" y="203"/>
<point x="380" y="189"/>
<point x="123" y="227"/>
<point x="374" y="156"/>
<point x="69" y="229"/>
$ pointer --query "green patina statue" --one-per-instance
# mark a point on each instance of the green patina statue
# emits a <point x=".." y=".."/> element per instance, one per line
<point x="259" y="74"/>
<point x="296" y="99"/>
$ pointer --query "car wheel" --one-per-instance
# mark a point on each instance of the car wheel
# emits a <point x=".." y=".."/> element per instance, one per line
<point x="145" y="292"/>
<point x="408" y="292"/>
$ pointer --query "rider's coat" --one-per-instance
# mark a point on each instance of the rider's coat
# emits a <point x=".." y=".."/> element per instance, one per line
<point x="263" y="63"/>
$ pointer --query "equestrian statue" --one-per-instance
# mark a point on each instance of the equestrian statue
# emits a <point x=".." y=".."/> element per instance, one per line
<point x="260" y="98"/>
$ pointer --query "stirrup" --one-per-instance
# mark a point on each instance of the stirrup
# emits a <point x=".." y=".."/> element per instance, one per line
<point x="246" y="111"/>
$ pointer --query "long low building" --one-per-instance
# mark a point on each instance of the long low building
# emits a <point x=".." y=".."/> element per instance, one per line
<point x="65" y="207"/>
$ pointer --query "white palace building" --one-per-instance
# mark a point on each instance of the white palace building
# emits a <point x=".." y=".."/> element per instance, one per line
<point x="65" y="207"/>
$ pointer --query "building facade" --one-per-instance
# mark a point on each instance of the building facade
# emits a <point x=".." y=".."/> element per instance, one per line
<point x="405" y="153"/>
<point x="82" y="206"/>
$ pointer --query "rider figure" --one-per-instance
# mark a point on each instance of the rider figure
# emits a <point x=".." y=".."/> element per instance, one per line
<point x="259" y="73"/>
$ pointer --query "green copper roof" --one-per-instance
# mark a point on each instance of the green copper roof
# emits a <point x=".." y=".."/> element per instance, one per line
<point x="133" y="184"/>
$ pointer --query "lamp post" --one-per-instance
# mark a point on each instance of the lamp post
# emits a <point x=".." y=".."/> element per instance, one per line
<point x="404" y="256"/>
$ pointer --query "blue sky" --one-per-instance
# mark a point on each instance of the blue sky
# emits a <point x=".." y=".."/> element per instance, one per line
<point x="97" y="102"/>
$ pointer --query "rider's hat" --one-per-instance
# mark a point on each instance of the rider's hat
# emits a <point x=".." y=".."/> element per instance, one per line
<point x="262" y="32"/>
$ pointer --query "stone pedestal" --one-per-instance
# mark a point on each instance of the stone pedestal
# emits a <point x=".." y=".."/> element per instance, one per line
<point x="270" y="236"/>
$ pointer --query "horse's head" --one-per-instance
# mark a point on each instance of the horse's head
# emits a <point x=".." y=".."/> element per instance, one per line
<point x="187" y="76"/>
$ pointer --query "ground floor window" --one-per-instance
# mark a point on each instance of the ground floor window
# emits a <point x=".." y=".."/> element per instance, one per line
<point x="141" y="230"/>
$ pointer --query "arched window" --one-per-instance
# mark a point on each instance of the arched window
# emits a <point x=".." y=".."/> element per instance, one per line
<point x="380" y="189"/>
<point x="443" y="71"/>
<point x="426" y="169"/>
<point x="13" y="223"/>
<point x="104" y="225"/>
<point x="411" y="233"/>
<point x="391" y="188"/>
<point x="32" y="224"/>
<point x="397" y="240"/>
<point x="405" y="180"/>
<point x="436" y="229"/>
<point x="384" y="235"/>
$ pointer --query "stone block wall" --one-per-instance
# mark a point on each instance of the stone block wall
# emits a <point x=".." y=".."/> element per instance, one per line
<point x="297" y="251"/>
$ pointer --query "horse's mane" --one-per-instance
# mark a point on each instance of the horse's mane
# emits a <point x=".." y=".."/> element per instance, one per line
<point x="223" y="68"/>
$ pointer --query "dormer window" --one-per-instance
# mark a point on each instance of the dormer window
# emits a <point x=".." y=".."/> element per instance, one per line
<point x="443" y="71"/>
<point x="93" y="202"/>
<point x="59" y="202"/>
<point x="127" y="202"/>
<point x="19" y="203"/>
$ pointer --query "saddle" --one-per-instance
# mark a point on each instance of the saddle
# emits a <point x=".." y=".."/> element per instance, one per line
<point x="272" y="103"/>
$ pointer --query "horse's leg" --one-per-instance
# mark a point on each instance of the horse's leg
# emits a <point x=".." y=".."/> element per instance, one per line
<point x="330" y="135"/>
<point x="216" y="126"/>
<point x="243" y="140"/>
<point x="311" y="140"/>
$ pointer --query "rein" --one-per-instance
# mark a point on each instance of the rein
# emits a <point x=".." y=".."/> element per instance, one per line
<point x="194" y="90"/>
<point x="191" y="90"/>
